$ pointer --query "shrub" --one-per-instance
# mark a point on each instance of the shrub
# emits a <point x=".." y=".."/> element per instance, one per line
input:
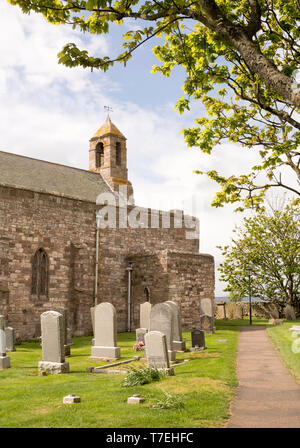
<point x="137" y="377"/>
<point x="168" y="401"/>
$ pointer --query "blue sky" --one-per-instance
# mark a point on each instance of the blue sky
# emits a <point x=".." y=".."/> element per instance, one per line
<point x="50" y="112"/>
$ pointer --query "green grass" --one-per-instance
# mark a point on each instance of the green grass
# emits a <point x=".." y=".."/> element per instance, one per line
<point x="282" y="338"/>
<point x="204" y="385"/>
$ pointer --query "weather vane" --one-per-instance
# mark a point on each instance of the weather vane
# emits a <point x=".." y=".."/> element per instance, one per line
<point x="108" y="109"/>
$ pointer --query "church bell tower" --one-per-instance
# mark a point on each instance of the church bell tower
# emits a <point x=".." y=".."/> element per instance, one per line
<point x="108" y="156"/>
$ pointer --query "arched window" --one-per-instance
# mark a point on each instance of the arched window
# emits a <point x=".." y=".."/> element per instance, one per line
<point x="147" y="294"/>
<point x="118" y="153"/>
<point x="99" y="154"/>
<point x="39" y="285"/>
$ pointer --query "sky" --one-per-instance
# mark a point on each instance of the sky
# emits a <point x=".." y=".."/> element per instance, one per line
<point x="50" y="112"/>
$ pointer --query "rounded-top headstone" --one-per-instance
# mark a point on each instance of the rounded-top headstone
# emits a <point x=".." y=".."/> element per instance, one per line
<point x="105" y="325"/>
<point x="145" y="310"/>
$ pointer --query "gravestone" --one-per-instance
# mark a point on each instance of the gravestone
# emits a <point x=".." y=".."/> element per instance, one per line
<point x="207" y="323"/>
<point x="178" y="343"/>
<point x="69" y="336"/>
<point x="198" y="339"/>
<point x="4" y="359"/>
<point x="105" y="333"/>
<point x="238" y="311"/>
<point x="10" y="339"/>
<point x="53" y="338"/>
<point x="140" y="334"/>
<point x="289" y="313"/>
<point x="206" y="307"/>
<point x="92" y="309"/>
<point x="161" y="319"/>
<point x="67" y="342"/>
<point x="157" y="351"/>
<point x="221" y="310"/>
<point x="272" y="311"/>
<point x="145" y="310"/>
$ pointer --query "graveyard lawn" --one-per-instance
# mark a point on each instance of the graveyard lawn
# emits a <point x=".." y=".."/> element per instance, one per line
<point x="205" y="385"/>
<point x="282" y="338"/>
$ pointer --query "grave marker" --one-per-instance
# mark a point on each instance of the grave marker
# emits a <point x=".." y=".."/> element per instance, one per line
<point x="105" y="345"/>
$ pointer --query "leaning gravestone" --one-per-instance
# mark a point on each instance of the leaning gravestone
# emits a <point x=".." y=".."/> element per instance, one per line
<point x="161" y="319"/>
<point x="10" y="339"/>
<point x="105" y="345"/>
<point x="145" y="310"/>
<point x="207" y="323"/>
<point x="178" y="343"/>
<point x="53" y="338"/>
<point x="198" y="339"/>
<point x="289" y="313"/>
<point x="4" y="359"/>
<point x="157" y="351"/>
<point x="272" y="311"/>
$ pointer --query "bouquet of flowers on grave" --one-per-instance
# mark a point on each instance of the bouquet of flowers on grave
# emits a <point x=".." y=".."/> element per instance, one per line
<point x="139" y="346"/>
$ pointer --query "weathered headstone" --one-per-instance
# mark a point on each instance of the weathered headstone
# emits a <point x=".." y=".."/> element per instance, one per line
<point x="275" y="322"/>
<point x="272" y="311"/>
<point x="206" y="307"/>
<point x="221" y="310"/>
<point x="198" y="339"/>
<point x="289" y="313"/>
<point x="10" y="339"/>
<point x="67" y="343"/>
<point x="4" y="359"/>
<point x="161" y="319"/>
<point x="135" y="399"/>
<point x="105" y="332"/>
<point x="71" y="399"/>
<point x="53" y="338"/>
<point x="145" y="310"/>
<point x="238" y="311"/>
<point x="207" y="323"/>
<point x="140" y="334"/>
<point x="178" y="343"/>
<point x="157" y="351"/>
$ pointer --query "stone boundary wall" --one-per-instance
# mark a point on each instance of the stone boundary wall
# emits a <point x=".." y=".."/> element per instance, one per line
<point x="239" y="310"/>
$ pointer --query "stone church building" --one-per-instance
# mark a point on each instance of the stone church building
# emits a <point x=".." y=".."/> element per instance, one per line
<point x="54" y="253"/>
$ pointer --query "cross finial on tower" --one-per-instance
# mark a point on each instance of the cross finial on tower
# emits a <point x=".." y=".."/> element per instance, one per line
<point x="108" y="109"/>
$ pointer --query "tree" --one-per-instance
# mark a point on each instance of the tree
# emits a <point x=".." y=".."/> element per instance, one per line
<point x="269" y="244"/>
<point x="249" y="48"/>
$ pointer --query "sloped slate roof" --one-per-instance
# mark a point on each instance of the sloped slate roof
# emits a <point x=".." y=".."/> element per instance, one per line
<point x="46" y="177"/>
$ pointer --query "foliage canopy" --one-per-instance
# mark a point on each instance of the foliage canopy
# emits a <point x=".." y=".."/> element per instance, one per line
<point x="269" y="244"/>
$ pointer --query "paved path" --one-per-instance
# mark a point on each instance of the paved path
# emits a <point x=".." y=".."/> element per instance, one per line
<point x="267" y="395"/>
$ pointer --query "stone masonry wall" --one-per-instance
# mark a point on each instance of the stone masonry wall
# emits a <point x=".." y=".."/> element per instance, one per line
<point x="118" y="246"/>
<point x="65" y="228"/>
<point x="184" y="278"/>
<point x="192" y="278"/>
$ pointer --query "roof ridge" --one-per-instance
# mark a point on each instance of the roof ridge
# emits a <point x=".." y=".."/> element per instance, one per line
<point x="51" y="163"/>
